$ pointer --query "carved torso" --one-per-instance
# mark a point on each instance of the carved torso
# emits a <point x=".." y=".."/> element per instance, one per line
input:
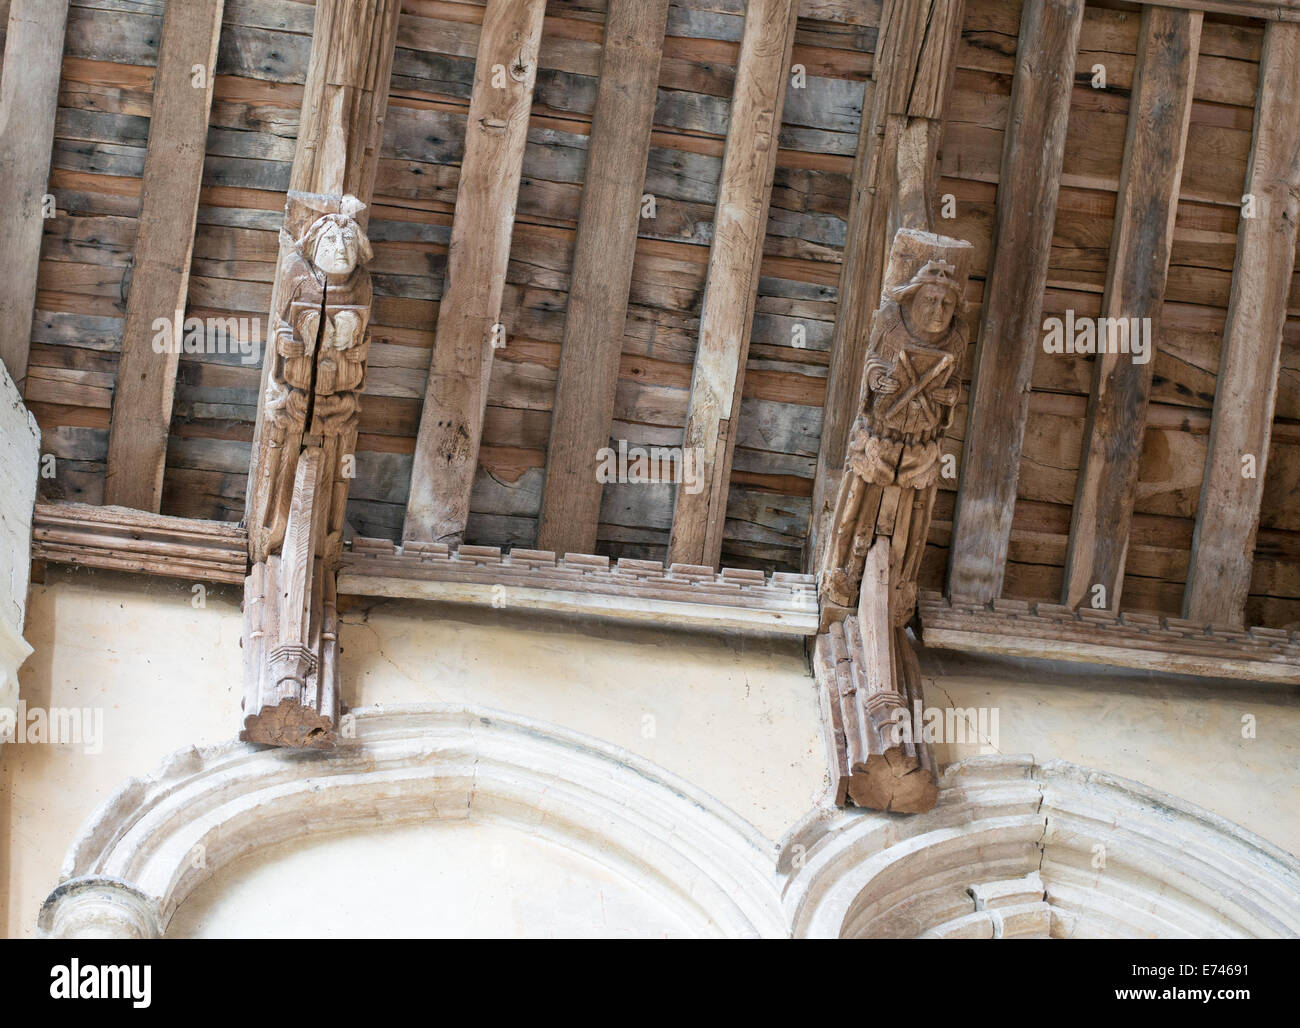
<point x="925" y="371"/>
<point x="328" y="357"/>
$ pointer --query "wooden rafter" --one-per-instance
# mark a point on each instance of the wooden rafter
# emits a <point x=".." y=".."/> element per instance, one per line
<point x="1142" y="239"/>
<point x="469" y="314"/>
<point x="740" y="226"/>
<point x="29" y="97"/>
<point x="602" y="273"/>
<point x="1227" y="517"/>
<point x="912" y="75"/>
<point x="1010" y="334"/>
<point x="173" y="175"/>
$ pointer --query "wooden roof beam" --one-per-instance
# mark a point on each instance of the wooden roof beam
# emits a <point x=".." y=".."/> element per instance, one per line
<point x="469" y="313"/>
<point x="602" y="273"/>
<point x="740" y="226"/>
<point x="173" y="176"/>
<point x="1227" y="517"/>
<point x="1141" y="241"/>
<point x="1010" y="333"/>
<point x="29" y="98"/>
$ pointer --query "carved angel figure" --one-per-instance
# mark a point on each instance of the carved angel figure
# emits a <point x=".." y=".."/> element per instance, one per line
<point x="911" y="385"/>
<point x="912" y="381"/>
<point x="320" y="334"/>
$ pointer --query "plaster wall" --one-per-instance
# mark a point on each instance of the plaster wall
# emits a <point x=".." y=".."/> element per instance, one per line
<point x="735" y="716"/>
<point x="20" y="442"/>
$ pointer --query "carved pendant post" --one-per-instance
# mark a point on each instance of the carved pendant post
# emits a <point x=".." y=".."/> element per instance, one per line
<point x="865" y="665"/>
<point x="319" y="338"/>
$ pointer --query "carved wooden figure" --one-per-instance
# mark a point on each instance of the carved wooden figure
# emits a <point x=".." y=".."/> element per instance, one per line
<point x="320" y="336"/>
<point x="911" y="384"/>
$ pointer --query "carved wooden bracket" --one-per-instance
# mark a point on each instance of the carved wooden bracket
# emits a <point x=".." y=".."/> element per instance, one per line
<point x="865" y="664"/>
<point x="319" y="337"/>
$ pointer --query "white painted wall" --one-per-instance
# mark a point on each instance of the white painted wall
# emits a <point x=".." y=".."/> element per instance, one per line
<point x="737" y="717"/>
<point x="20" y="443"/>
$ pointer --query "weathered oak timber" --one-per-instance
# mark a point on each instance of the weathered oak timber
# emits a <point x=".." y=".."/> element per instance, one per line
<point x="1010" y="333"/>
<point x="1146" y="641"/>
<point x="871" y="686"/>
<point x="173" y="175"/>
<point x="29" y="96"/>
<point x="1271" y="10"/>
<point x="911" y="383"/>
<point x="313" y="377"/>
<point x="122" y="539"/>
<point x="1159" y="112"/>
<point x="744" y="196"/>
<point x="627" y="590"/>
<point x="469" y="313"/>
<point x="1227" y="517"/>
<point x="344" y="106"/>
<point x="602" y="273"/>
<point x="912" y="77"/>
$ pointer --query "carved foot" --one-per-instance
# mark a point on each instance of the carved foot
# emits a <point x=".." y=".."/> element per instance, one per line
<point x="289" y="724"/>
<point x="893" y="781"/>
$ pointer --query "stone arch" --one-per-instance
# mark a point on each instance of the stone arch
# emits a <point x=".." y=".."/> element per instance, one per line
<point x="1019" y="848"/>
<point x="149" y="846"/>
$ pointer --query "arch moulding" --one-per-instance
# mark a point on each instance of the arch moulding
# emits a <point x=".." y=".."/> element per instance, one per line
<point x="1013" y="848"/>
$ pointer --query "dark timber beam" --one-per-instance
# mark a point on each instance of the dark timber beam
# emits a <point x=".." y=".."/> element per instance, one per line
<point x="469" y="313"/>
<point x="1145" y="209"/>
<point x="1227" y="518"/>
<point x="173" y="175"/>
<point x="1010" y="333"/>
<point x="602" y="273"/>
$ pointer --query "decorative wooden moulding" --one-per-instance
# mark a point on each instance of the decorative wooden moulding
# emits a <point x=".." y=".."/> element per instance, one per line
<point x="684" y="595"/>
<point x="1148" y="641"/>
<point x="869" y="684"/>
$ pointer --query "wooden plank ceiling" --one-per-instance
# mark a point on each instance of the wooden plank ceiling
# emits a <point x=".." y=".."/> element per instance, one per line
<point x="739" y="265"/>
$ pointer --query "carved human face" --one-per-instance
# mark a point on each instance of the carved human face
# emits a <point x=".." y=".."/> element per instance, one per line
<point x="933" y="308"/>
<point x="336" y="251"/>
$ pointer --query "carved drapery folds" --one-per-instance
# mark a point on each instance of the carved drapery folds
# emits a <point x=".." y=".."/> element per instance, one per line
<point x="319" y="337"/>
<point x="864" y="661"/>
